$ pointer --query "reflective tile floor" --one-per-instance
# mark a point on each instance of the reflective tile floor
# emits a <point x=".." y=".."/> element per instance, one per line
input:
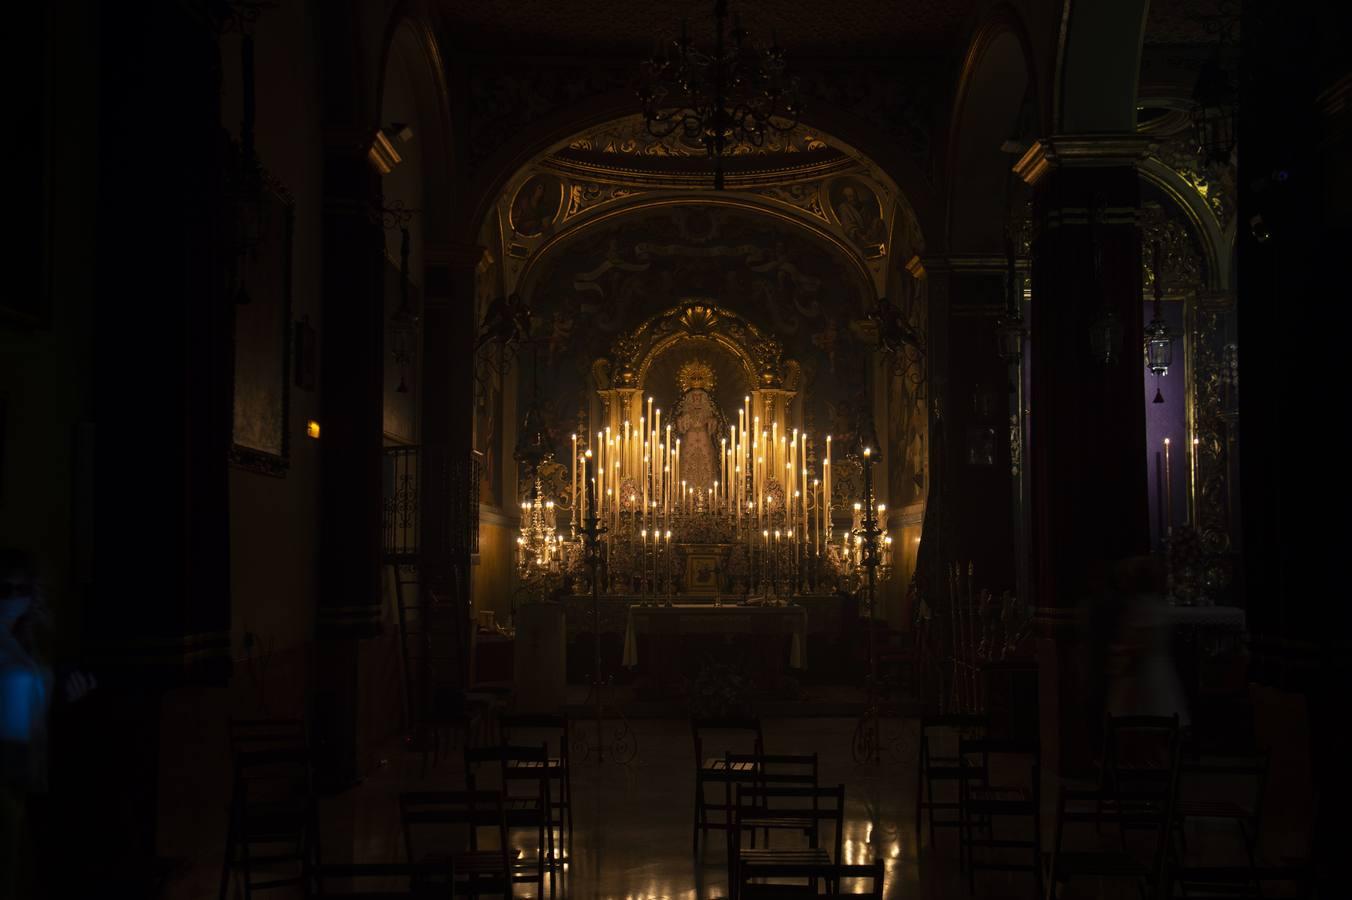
<point x="632" y="823"/>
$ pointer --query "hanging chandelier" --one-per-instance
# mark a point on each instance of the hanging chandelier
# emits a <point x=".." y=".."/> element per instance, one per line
<point x="1159" y="341"/>
<point x="736" y="93"/>
<point x="1215" y="100"/>
<point x="1009" y="328"/>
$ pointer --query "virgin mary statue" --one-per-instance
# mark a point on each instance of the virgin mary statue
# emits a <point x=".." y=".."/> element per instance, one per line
<point x="697" y="422"/>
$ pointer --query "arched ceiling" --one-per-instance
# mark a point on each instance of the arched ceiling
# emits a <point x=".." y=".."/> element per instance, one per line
<point x="804" y="186"/>
<point x="981" y="167"/>
<point x="624" y="268"/>
<point x="623" y="26"/>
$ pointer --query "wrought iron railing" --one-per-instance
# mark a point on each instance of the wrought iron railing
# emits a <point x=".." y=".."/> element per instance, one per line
<point x="409" y="473"/>
<point x="401" y="503"/>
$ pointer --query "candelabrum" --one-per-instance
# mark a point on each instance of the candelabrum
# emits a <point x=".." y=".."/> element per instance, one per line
<point x="868" y="532"/>
<point x="622" y="746"/>
<point x="772" y="520"/>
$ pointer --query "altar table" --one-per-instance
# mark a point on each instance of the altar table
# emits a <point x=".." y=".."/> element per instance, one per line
<point x="673" y="637"/>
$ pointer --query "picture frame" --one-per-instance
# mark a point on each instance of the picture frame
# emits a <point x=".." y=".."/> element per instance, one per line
<point x="702" y="572"/>
<point x="263" y="331"/>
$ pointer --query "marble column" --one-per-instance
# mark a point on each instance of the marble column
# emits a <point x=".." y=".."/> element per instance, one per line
<point x="1087" y="431"/>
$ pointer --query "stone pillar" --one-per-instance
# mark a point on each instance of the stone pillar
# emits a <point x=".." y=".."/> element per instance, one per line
<point x="160" y="324"/>
<point x="1295" y="187"/>
<point x="1087" y="430"/>
<point x="352" y="372"/>
<point x="447" y="512"/>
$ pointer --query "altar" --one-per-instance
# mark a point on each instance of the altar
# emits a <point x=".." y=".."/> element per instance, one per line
<point x="668" y="645"/>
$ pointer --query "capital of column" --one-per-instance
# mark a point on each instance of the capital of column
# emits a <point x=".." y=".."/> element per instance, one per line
<point x="1081" y="150"/>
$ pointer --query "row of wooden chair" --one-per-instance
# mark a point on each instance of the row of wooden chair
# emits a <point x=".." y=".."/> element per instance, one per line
<point x="273" y="828"/>
<point x="765" y="794"/>
<point x="1137" y="793"/>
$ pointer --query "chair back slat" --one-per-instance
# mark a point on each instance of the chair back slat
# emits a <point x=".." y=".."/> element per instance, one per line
<point x="511" y="725"/>
<point x="767" y="769"/>
<point x="874" y="871"/>
<point x="702" y="729"/>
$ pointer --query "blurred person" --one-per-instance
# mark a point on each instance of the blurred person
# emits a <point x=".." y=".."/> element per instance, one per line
<point x="26" y="684"/>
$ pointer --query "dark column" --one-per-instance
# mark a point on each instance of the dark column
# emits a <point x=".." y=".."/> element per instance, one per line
<point x="1087" y="428"/>
<point x="979" y="492"/>
<point x="1295" y="190"/>
<point x="447" y="422"/>
<point x="352" y="350"/>
<point x="157" y="611"/>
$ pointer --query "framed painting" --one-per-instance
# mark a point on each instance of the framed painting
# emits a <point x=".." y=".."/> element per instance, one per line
<point x="701" y="572"/>
<point x="263" y="340"/>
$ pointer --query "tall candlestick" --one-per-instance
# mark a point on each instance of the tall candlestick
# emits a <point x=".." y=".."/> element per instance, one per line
<point x="576" y="505"/>
<point x="1168" y="493"/>
<point x="826" y="485"/>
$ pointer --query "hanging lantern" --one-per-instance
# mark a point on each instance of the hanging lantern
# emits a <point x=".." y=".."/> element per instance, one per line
<point x="534" y="443"/>
<point x="1215" y="115"/>
<point x="1105" y="334"/>
<point x="1009" y="330"/>
<point x="1159" y="341"/>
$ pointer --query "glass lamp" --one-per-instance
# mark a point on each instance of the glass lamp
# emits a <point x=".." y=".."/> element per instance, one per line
<point x="1214" y="117"/>
<point x="1159" y="341"/>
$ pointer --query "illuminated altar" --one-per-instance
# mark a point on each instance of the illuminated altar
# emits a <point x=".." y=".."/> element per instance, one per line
<point x="722" y="493"/>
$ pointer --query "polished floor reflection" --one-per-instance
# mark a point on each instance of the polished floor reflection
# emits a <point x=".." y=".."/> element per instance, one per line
<point x="632" y="822"/>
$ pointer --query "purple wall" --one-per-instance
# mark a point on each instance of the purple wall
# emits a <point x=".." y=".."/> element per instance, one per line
<point x="1167" y="420"/>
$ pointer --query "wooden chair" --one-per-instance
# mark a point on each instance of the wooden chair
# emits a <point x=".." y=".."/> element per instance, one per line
<point x="875" y="872"/>
<point x="425" y="881"/>
<point x="273" y="818"/>
<point x="524" y="781"/>
<point x="558" y="768"/>
<point x="1245" y="813"/>
<point x="937" y="768"/>
<point x="1289" y="879"/>
<point x="982" y="802"/>
<point x="791" y="805"/>
<point x="711" y="767"/>
<point x="1143" y="799"/>
<point x="428" y="817"/>
<point x="770" y="771"/>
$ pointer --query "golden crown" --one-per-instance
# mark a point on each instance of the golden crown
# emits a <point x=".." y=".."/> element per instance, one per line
<point x="695" y="374"/>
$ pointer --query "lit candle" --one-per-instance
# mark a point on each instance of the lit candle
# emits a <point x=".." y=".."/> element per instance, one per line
<point x="575" y="497"/>
<point x="723" y="460"/>
<point x="817" y="516"/>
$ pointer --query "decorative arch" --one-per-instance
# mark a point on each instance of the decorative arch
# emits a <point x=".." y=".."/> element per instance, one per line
<point x="1193" y="206"/>
<point x="1098" y="63"/>
<point x="852" y="136"/>
<point x="410" y="40"/>
<point x="996" y="86"/>
<point x="760" y="355"/>
<point x="796" y="220"/>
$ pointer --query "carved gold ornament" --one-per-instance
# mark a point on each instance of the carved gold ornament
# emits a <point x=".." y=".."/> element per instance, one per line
<point x="696" y="374"/>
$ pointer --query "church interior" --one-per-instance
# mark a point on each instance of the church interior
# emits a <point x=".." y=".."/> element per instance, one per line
<point x="688" y="449"/>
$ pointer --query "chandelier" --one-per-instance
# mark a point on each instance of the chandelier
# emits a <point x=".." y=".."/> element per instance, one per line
<point x="734" y="94"/>
<point x="1215" y="100"/>
<point x="539" y="546"/>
